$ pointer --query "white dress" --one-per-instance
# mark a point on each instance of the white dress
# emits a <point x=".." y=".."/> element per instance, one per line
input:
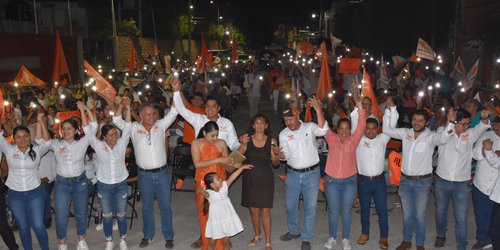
<point x="222" y="219"/>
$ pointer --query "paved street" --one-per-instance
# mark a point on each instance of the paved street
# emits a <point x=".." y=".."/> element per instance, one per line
<point x="186" y="221"/>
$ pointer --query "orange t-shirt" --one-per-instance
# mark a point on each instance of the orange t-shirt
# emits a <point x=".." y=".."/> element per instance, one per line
<point x="188" y="130"/>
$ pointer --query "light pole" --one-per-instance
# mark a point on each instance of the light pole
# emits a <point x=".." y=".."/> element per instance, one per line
<point x="189" y="30"/>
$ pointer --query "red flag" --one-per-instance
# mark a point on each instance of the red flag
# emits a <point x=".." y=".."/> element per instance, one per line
<point x="235" y="51"/>
<point x="25" y="79"/>
<point x="103" y="87"/>
<point x="60" y="72"/>
<point x="413" y="58"/>
<point x="305" y="48"/>
<point x="459" y="71"/>
<point x="349" y="65"/>
<point x="204" y="58"/>
<point x="325" y="81"/>
<point x="131" y="60"/>
<point x="367" y="90"/>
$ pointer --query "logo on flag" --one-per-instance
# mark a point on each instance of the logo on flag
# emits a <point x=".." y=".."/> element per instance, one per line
<point x="424" y="50"/>
<point x="103" y="87"/>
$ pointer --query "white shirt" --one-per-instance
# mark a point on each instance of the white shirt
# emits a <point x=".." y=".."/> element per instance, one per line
<point x="149" y="147"/>
<point x="23" y="171"/>
<point x="47" y="167"/>
<point x="486" y="176"/>
<point x="455" y="157"/>
<point x="370" y="154"/>
<point x="354" y="119"/>
<point x="417" y="153"/>
<point x="226" y="128"/>
<point x="494" y="161"/>
<point x="91" y="168"/>
<point x="299" y="146"/>
<point x="111" y="167"/>
<point x="70" y="157"/>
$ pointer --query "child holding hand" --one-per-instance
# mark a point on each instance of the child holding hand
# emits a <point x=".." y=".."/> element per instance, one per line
<point x="223" y="222"/>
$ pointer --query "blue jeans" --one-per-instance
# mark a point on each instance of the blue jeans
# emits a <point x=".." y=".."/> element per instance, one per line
<point x="306" y="183"/>
<point x="378" y="190"/>
<point x="459" y="193"/>
<point x="151" y="183"/>
<point x="414" y="196"/>
<point x="47" y="188"/>
<point x="340" y="195"/>
<point x="113" y="199"/>
<point x="482" y="213"/>
<point x="25" y="207"/>
<point x="66" y="190"/>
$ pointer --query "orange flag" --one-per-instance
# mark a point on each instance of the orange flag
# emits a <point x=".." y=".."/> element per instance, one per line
<point x="367" y="90"/>
<point x="349" y="65"/>
<point x="395" y="159"/>
<point x="308" y="115"/>
<point x="104" y="88"/>
<point x="305" y="48"/>
<point x="60" y="71"/>
<point x="235" y="51"/>
<point x="131" y="60"/>
<point x="204" y="58"/>
<point x="25" y="79"/>
<point x="325" y="81"/>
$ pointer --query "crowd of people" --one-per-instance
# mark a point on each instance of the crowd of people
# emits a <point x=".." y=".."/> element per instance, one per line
<point x="444" y="134"/>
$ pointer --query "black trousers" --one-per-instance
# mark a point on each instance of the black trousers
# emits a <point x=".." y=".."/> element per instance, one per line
<point x="5" y="230"/>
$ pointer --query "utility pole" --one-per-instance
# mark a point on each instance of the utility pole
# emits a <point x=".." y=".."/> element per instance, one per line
<point x="115" y="38"/>
<point x="70" y="21"/>
<point x="190" y="15"/>
<point x="35" y="16"/>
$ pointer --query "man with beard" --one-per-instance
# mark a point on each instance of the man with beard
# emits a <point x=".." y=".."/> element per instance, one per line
<point x="416" y="171"/>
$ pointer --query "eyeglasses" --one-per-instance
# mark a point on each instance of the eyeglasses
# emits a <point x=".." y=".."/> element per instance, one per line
<point x="148" y="138"/>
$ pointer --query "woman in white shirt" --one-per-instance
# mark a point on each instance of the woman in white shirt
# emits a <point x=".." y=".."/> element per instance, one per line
<point x="25" y="196"/>
<point x="112" y="174"/>
<point x="71" y="181"/>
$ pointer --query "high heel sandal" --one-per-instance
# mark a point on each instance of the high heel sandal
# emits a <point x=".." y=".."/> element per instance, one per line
<point x="255" y="240"/>
<point x="269" y="246"/>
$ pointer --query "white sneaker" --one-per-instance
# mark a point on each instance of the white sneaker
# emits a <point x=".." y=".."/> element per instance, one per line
<point x="330" y="243"/>
<point x="346" y="245"/>
<point x="123" y="245"/>
<point x="63" y="247"/>
<point x="82" y="245"/>
<point x="99" y="227"/>
<point x="115" y="226"/>
<point x="109" y="245"/>
<point x="488" y="246"/>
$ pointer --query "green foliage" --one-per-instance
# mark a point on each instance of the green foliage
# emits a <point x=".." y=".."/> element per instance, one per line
<point x="182" y="25"/>
<point x="127" y="27"/>
<point x="238" y="36"/>
<point x="215" y="32"/>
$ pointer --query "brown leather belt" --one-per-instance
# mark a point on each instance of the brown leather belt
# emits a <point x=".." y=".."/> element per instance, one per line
<point x="416" y="177"/>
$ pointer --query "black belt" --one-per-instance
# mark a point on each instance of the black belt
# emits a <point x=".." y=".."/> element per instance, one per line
<point x="154" y="170"/>
<point x="302" y="170"/>
<point x="415" y="177"/>
<point x="371" y="178"/>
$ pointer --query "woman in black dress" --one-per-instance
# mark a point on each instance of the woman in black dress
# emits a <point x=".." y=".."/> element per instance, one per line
<point x="258" y="183"/>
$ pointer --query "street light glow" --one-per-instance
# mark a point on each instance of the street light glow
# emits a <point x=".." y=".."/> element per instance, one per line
<point x="313" y="15"/>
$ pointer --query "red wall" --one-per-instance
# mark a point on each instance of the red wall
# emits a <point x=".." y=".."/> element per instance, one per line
<point x="14" y="46"/>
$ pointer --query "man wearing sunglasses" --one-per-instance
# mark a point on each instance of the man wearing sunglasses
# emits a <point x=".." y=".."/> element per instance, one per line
<point x="453" y="173"/>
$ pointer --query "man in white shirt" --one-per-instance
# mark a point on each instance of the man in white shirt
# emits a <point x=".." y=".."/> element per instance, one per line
<point x="453" y="177"/>
<point x="370" y="158"/>
<point x="148" y="138"/>
<point x="484" y="181"/>
<point x="212" y="108"/>
<point x="494" y="160"/>
<point x="298" y="148"/>
<point x="416" y="171"/>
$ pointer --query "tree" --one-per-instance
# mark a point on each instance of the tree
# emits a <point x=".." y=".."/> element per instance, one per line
<point x="182" y="26"/>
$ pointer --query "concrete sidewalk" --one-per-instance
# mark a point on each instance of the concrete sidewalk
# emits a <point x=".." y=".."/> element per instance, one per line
<point x="186" y="220"/>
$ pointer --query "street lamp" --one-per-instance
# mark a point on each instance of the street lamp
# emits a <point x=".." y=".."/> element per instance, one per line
<point x="313" y="15"/>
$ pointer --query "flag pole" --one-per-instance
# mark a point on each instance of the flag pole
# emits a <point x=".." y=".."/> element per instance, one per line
<point x="34" y="11"/>
<point x="154" y="25"/>
<point x="70" y="22"/>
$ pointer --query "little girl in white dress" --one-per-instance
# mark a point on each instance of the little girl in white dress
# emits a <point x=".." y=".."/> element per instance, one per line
<point x="223" y="222"/>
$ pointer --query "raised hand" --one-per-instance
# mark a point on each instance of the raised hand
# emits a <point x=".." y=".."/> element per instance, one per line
<point x="487" y="144"/>
<point x="81" y="106"/>
<point x="315" y="103"/>
<point x="176" y="85"/>
<point x="358" y="104"/>
<point x="126" y="102"/>
<point x="452" y="115"/>
<point x="389" y="103"/>
<point x="485" y="114"/>
<point x="40" y="117"/>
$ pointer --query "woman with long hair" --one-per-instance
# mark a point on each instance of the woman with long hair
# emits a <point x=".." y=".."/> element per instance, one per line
<point x="25" y="196"/>
<point x="71" y="180"/>
<point x="258" y="184"/>
<point x="209" y="154"/>
<point x="112" y="174"/>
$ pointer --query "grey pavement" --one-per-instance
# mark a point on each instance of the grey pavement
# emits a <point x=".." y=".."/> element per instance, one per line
<point x="185" y="219"/>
